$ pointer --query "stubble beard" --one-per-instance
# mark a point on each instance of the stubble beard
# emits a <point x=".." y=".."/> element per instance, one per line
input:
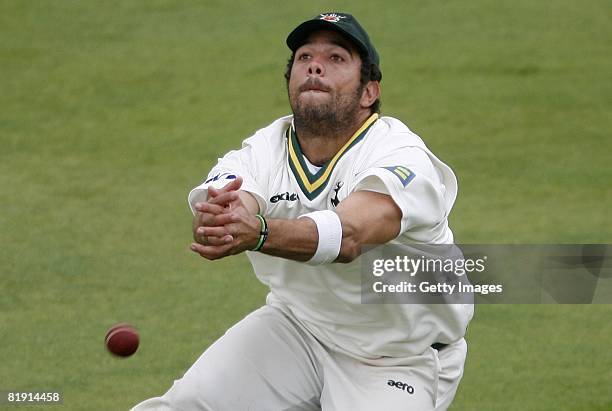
<point x="331" y="118"/>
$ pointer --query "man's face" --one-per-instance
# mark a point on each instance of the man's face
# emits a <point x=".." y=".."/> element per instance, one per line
<point x="325" y="80"/>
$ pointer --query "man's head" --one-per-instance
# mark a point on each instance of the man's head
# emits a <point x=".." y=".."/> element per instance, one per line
<point x="332" y="75"/>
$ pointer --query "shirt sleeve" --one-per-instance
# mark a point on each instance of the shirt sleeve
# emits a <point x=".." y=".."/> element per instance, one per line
<point x="410" y="178"/>
<point x="243" y="163"/>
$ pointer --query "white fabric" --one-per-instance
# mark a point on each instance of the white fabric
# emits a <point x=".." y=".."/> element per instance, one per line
<point x="235" y="163"/>
<point x="269" y="361"/>
<point x="311" y="167"/>
<point x="327" y="298"/>
<point x="314" y="346"/>
<point x="329" y="229"/>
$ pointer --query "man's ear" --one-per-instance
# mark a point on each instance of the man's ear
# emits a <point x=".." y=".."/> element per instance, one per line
<point x="370" y="93"/>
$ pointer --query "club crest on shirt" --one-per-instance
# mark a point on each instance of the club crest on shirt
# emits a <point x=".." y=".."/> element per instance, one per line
<point x="404" y="174"/>
<point x="333" y="17"/>
<point x="334" y="200"/>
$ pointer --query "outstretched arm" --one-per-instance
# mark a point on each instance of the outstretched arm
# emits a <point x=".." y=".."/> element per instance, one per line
<point x="366" y="217"/>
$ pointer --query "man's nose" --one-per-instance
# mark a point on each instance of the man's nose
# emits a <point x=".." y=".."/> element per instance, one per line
<point x="316" y="68"/>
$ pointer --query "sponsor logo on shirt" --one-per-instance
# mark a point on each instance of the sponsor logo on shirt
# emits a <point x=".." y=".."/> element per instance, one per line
<point x="225" y="176"/>
<point x="404" y="174"/>
<point x="286" y="196"/>
<point x="401" y="386"/>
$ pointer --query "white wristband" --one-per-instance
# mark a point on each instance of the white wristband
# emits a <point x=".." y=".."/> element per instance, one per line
<point x="330" y="236"/>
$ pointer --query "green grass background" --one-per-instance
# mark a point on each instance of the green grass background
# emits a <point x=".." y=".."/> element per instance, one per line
<point x="110" y="111"/>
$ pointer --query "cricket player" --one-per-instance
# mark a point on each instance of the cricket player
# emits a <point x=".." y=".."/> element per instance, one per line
<point x="301" y="198"/>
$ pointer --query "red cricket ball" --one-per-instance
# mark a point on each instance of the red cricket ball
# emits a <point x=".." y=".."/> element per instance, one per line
<point x="122" y="340"/>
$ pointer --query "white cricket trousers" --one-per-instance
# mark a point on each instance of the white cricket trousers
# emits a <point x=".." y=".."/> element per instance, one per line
<point x="269" y="362"/>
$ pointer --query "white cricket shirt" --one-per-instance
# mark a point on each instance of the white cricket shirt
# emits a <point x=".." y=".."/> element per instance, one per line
<point x="382" y="156"/>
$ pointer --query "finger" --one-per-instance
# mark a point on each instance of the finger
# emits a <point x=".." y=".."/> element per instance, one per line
<point x="209" y="208"/>
<point x="211" y="252"/>
<point x="216" y="241"/>
<point x="213" y="192"/>
<point x="225" y="199"/>
<point x="224" y="219"/>
<point x="212" y="220"/>
<point x="212" y="231"/>
<point x="202" y="220"/>
<point x="233" y="185"/>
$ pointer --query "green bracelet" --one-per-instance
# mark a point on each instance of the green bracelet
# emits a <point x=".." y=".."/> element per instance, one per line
<point x="263" y="233"/>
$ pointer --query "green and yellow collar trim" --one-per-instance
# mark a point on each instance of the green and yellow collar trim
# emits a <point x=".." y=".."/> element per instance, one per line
<point x="313" y="184"/>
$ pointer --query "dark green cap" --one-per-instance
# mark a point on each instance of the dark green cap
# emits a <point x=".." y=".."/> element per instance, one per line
<point x="343" y="23"/>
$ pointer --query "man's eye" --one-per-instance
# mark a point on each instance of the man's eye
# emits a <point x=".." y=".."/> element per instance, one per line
<point x="336" y="57"/>
<point x="303" y="56"/>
